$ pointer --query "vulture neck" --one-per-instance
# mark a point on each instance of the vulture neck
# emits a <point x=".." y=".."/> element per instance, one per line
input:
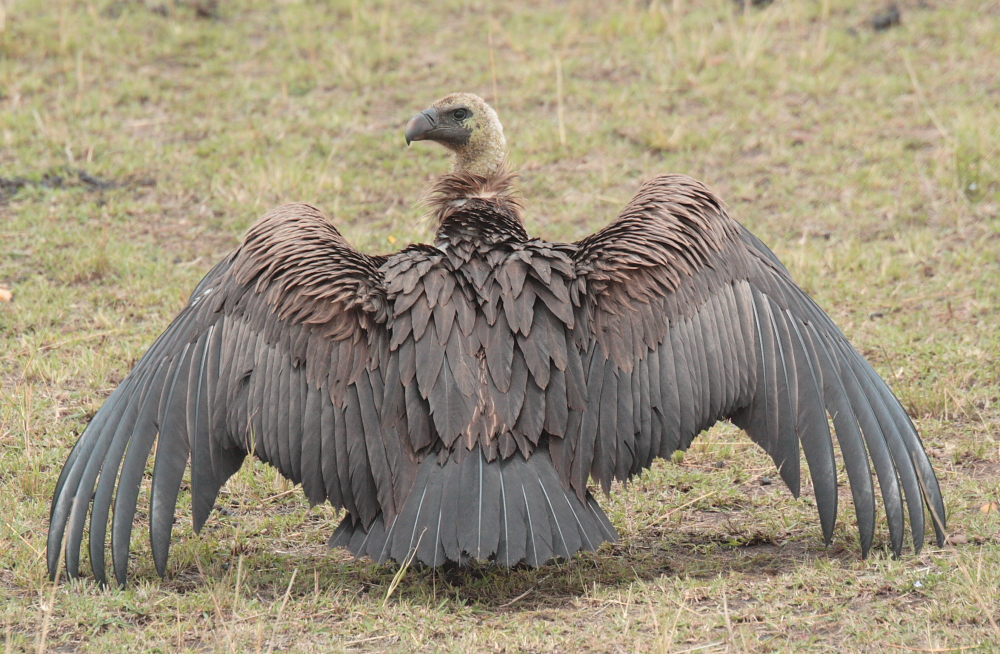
<point x="476" y="209"/>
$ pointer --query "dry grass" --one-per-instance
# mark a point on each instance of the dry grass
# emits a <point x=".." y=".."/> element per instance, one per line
<point x="867" y="160"/>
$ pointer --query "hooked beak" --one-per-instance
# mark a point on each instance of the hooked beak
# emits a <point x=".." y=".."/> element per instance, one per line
<point x="420" y="125"/>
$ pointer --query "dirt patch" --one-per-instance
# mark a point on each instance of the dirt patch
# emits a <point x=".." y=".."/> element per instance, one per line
<point x="61" y="178"/>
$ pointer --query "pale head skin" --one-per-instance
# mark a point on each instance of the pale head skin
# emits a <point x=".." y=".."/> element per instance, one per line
<point x="466" y="125"/>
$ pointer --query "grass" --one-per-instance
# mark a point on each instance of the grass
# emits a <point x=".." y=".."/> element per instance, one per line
<point x="868" y="161"/>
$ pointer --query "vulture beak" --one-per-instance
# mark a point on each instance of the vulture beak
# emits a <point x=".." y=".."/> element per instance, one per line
<point x="420" y="125"/>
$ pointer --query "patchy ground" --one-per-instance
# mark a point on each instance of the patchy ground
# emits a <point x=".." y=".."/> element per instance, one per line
<point x="138" y="140"/>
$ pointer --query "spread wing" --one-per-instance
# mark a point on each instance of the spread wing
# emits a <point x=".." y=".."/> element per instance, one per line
<point x="693" y="320"/>
<point x="276" y="354"/>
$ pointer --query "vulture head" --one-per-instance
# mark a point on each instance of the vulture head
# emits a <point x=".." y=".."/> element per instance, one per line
<point x="466" y="125"/>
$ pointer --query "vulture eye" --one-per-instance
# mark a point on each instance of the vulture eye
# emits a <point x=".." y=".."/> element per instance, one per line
<point x="461" y="114"/>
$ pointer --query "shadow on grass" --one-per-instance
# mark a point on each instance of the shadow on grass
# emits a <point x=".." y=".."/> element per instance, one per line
<point x="491" y="587"/>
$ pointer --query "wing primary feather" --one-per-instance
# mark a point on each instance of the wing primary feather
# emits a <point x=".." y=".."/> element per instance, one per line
<point x="624" y="441"/>
<point x="204" y="485"/>
<point x="583" y="456"/>
<point x="755" y="417"/>
<point x="878" y="450"/>
<point x="671" y="379"/>
<point x="378" y="460"/>
<point x="67" y="488"/>
<point x="218" y="432"/>
<point x="341" y="435"/>
<point x="852" y="446"/>
<point x="708" y="341"/>
<point x="363" y="483"/>
<point x="725" y="322"/>
<point x="109" y="475"/>
<point x="814" y="432"/>
<point x="684" y="376"/>
<point x="312" y="452"/>
<point x="140" y="445"/>
<point x="654" y="398"/>
<point x="641" y="394"/>
<point x="913" y="470"/>
<point x="91" y="465"/>
<point x="693" y="369"/>
<point x="56" y="526"/>
<point x="697" y="349"/>
<point x="745" y="334"/>
<point x="172" y="452"/>
<point x="786" y="452"/>
<point x="327" y="437"/>
<point x="269" y="387"/>
<point x="915" y="454"/>
<point x="297" y="399"/>
<point x="281" y="408"/>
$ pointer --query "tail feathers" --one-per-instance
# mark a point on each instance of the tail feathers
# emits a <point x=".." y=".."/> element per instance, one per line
<point x="505" y="511"/>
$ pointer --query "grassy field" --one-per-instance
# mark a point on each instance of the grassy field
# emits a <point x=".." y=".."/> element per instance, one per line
<point x="138" y="140"/>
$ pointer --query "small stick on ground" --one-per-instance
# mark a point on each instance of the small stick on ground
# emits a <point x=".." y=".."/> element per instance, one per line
<point x="725" y="612"/>
<point x="288" y="591"/>
<point x="559" y="103"/>
<point x="398" y="577"/>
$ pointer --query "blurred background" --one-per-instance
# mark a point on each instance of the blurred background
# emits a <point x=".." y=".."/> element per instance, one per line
<point x="139" y="140"/>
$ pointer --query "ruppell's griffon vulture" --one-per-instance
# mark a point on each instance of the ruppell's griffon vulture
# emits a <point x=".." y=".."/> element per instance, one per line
<point x="457" y="397"/>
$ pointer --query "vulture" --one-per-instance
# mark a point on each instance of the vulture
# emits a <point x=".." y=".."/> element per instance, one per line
<point x="456" y="398"/>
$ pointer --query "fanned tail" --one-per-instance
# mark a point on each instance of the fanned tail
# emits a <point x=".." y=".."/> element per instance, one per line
<point x="506" y="511"/>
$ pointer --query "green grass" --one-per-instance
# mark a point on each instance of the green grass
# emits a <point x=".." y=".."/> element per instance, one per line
<point x="868" y="161"/>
